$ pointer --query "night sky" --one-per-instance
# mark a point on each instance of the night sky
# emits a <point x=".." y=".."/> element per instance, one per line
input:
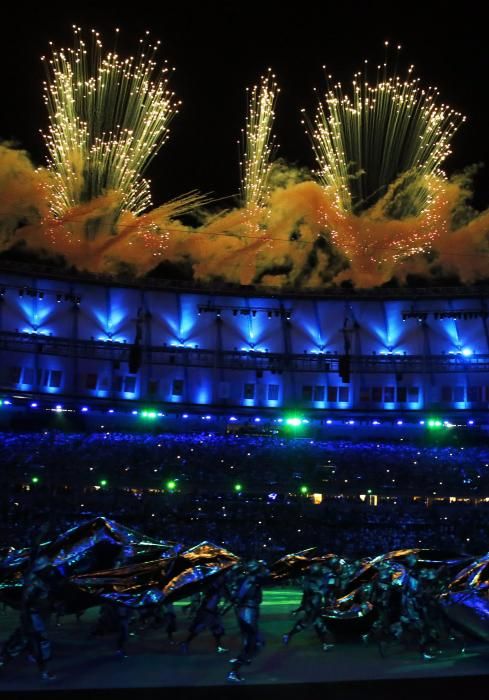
<point x="219" y="48"/>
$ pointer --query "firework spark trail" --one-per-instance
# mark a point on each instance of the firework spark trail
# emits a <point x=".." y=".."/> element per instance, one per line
<point x="365" y="141"/>
<point x="376" y="248"/>
<point x="381" y="200"/>
<point x="108" y="119"/>
<point x="259" y="143"/>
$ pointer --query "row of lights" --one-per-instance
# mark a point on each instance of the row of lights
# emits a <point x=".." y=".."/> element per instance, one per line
<point x="445" y="315"/>
<point x="39" y="294"/>
<point x="110" y="337"/>
<point x="172" y="484"/>
<point x="291" y="421"/>
<point x="278" y="313"/>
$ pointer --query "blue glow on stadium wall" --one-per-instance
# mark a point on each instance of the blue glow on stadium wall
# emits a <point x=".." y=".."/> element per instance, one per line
<point x="111" y="321"/>
<point x="254" y="327"/>
<point x="35" y="313"/>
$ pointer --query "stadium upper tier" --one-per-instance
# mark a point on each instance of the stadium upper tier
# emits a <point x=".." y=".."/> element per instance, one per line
<point x="412" y="350"/>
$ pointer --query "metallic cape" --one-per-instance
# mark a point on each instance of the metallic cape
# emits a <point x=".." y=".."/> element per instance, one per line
<point x="89" y="547"/>
<point x="297" y="564"/>
<point x="467" y="601"/>
<point x="101" y="561"/>
<point x="158" y="581"/>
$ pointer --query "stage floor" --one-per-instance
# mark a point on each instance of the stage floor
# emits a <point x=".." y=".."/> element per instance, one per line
<point x="82" y="663"/>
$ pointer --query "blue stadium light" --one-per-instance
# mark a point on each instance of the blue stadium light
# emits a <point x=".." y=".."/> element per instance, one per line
<point x="111" y="410"/>
<point x="233" y="419"/>
<point x="58" y="408"/>
<point x="399" y="422"/>
<point x="134" y="413"/>
<point x="84" y="409"/>
<point x="33" y="404"/>
<point x="185" y="415"/>
<point x="304" y="420"/>
<point x="467" y="352"/>
<point x="351" y="422"/>
<point x="160" y="414"/>
<point x="329" y="421"/>
<point x="257" y="420"/>
<point x="421" y="422"/>
<point x="280" y="420"/>
<point x="470" y="422"/>
<point x="375" y="422"/>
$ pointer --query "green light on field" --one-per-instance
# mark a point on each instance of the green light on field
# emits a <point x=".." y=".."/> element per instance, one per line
<point x="238" y="488"/>
<point x="103" y="482"/>
<point x="150" y="415"/>
<point x="434" y="423"/>
<point x="304" y="489"/>
<point x="35" y="479"/>
<point x="293" y="422"/>
<point x="171" y="485"/>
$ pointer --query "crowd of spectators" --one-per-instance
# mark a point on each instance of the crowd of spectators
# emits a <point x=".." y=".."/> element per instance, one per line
<point x="245" y="491"/>
<point x="341" y="466"/>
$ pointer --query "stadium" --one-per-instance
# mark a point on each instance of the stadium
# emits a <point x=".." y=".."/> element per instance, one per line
<point x="402" y="353"/>
<point x="264" y="422"/>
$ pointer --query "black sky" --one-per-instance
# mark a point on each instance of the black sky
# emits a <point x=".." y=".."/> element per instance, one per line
<point x="219" y="48"/>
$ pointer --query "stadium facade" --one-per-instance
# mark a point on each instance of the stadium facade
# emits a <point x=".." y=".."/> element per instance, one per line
<point x="401" y="350"/>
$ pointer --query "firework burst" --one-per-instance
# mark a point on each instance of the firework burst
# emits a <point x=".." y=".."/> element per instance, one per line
<point x="259" y="143"/>
<point x="393" y="131"/>
<point x="108" y="118"/>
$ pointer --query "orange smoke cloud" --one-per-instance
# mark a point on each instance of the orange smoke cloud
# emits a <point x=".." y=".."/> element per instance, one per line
<point x="302" y="237"/>
<point x="23" y="190"/>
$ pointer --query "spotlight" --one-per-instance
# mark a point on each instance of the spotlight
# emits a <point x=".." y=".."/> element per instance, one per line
<point x="59" y="298"/>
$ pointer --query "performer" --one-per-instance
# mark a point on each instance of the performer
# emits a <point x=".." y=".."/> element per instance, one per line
<point x="412" y="619"/>
<point x="32" y="632"/>
<point x="315" y="587"/>
<point x="247" y="600"/>
<point x="114" y="618"/>
<point x="161" y="617"/>
<point x="209" y="615"/>
<point x="382" y="596"/>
